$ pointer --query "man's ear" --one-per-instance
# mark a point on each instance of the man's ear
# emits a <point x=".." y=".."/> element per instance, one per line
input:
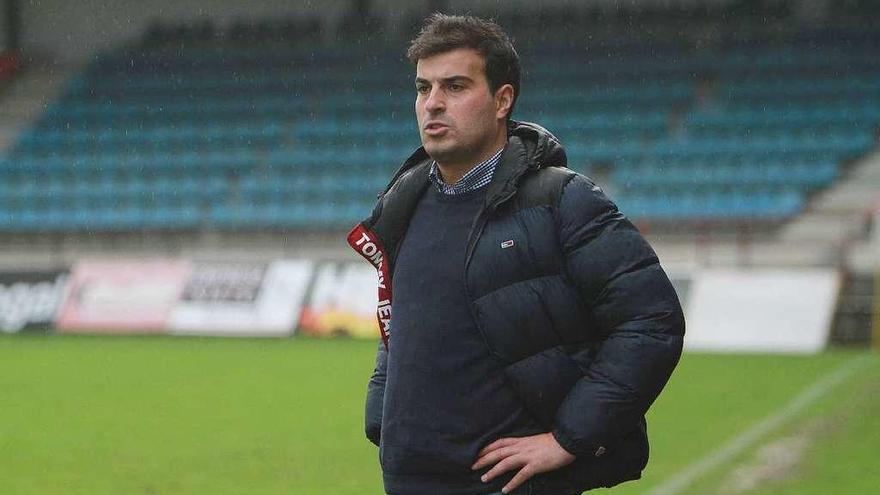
<point x="503" y="101"/>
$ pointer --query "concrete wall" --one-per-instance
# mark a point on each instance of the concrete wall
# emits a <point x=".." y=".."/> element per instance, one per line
<point x="483" y="5"/>
<point x="71" y="31"/>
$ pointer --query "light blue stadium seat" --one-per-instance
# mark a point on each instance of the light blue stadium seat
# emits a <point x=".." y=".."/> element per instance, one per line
<point x="291" y="148"/>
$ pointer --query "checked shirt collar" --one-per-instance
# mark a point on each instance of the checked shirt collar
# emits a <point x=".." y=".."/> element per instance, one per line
<point x="475" y="178"/>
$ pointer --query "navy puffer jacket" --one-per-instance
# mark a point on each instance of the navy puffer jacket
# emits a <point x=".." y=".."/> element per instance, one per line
<point x="578" y="307"/>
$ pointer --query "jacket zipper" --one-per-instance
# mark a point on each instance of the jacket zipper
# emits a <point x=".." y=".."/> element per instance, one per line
<point x="475" y="234"/>
<point x="478" y="230"/>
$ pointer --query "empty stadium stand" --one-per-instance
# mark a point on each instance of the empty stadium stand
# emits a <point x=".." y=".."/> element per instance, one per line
<point x="231" y="136"/>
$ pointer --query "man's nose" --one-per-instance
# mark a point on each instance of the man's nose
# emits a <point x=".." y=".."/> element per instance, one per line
<point x="435" y="102"/>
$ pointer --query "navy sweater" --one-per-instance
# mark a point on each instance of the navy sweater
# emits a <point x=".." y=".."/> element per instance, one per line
<point x="445" y="395"/>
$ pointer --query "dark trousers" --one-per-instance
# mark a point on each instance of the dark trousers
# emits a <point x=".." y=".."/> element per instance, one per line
<point x="528" y="489"/>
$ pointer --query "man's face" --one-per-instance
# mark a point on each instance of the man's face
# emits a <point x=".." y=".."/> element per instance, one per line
<point x="456" y="111"/>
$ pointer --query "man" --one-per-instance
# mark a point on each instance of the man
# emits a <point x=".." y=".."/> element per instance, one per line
<point x="532" y="324"/>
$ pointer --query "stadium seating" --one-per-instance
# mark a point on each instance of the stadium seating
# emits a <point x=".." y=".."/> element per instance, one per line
<point x="249" y="137"/>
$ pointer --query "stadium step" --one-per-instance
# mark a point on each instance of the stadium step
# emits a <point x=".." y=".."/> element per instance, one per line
<point x="839" y="214"/>
<point x="26" y="99"/>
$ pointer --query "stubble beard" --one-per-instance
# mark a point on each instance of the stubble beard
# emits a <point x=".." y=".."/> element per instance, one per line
<point x="453" y="153"/>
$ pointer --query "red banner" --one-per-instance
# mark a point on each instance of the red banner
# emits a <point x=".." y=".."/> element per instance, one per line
<point x="122" y="296"/>
<point x="366" y="243"/>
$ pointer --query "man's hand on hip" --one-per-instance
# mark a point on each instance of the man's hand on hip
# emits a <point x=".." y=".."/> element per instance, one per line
<point x="535" y="454"/>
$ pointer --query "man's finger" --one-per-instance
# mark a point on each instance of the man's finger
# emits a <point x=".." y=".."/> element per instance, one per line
<point x="493" y="457"/>
<point x="518" y="479"/>
<point x="497" y="444"/>
<point x="505" y="465"/>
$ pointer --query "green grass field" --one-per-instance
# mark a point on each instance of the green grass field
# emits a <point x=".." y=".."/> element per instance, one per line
<point x="175" y="415"/>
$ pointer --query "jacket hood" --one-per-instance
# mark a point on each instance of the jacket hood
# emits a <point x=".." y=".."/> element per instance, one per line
<point x="541" y="147"/>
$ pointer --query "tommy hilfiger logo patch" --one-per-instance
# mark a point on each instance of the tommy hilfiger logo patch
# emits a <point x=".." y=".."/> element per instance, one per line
<point x="506" y="244"/>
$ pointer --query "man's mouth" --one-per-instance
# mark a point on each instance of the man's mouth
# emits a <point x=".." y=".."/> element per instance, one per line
<point x="435" y="128"/>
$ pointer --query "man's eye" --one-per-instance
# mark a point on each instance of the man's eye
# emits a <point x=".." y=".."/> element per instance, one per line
<point x="422" y="89"/>
<point x="456" y="87"/>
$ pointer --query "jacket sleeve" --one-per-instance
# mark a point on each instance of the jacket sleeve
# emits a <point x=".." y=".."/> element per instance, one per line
<point x="375" y="396"/>
<point x="637" y="316"/>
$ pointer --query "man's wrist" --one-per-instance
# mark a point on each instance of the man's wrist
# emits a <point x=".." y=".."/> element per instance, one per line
<point x="562" y="441"/>
<point x="578" y="449"/>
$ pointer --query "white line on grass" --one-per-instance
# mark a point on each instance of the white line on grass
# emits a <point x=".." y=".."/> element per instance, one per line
<point x="726" y="452"/>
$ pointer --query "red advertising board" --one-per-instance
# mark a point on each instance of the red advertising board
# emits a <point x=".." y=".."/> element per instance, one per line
<point x="122" y="296"/>
<point x="10" y="62"/>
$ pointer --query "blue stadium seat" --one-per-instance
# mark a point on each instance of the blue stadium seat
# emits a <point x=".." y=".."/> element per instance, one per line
<point x="304" y="142"/>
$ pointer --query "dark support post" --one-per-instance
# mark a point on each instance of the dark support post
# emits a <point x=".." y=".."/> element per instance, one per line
<point x="13" y="24"/>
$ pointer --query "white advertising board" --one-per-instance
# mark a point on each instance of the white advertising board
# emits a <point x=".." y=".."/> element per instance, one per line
<point x="242" y="299"/>
<point x="765" y="310"/>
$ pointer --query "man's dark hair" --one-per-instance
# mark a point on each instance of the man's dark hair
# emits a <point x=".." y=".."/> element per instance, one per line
<point x="442" y="33"/>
